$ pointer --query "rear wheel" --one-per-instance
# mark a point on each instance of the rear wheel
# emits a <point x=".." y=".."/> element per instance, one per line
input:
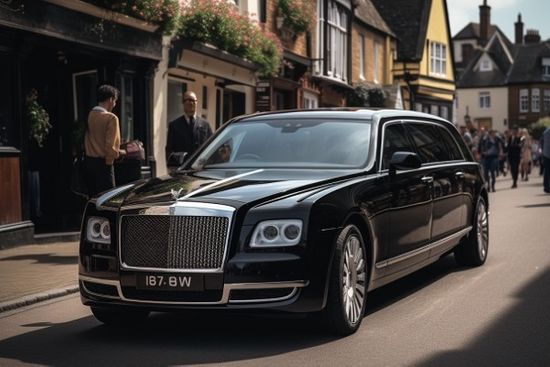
<point x="473" y="249"/>
<point x="120" y="317"/>
<point x="348" y="283"/>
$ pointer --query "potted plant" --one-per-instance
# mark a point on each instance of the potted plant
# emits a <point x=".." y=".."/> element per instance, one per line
<point x="38" y="119"/>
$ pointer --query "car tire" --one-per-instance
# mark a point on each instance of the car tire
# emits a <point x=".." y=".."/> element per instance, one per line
<point x="473" y="249"/>
<point x="347" y="283"/>
<point x="119" y="317"/>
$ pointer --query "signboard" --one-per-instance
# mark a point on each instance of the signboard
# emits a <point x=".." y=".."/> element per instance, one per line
<point x="263" y="95"/>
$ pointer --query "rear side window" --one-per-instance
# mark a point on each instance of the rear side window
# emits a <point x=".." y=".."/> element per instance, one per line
<point x="429" y="145"/>
<point x="450" y="143"/>
<point x="395" y="140"/>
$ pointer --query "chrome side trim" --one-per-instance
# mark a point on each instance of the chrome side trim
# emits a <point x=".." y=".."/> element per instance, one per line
<point x="428" y="247"/>
<point x="184" y="209"/>
<point x="227" y="288"/>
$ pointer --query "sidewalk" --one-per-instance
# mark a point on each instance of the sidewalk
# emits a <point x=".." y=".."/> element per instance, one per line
<point x="34" y="273"/>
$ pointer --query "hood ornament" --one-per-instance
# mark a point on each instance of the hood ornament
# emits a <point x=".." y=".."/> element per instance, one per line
<point x="176" y="194"/>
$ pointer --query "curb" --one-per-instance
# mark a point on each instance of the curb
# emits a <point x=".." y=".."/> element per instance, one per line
<point x="37" y="297"/>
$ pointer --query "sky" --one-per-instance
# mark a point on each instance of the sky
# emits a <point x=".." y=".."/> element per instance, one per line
<point x="535" y="14"/>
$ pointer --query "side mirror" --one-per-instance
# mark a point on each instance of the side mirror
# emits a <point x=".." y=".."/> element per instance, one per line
<point x="176" y="159"/>
<point x="404" y="161"/>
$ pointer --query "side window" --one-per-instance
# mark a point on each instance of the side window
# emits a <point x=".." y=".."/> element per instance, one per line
<point x="429" y="146"/>
<point x="450" y="144"/>
<point x="395" y="140"/>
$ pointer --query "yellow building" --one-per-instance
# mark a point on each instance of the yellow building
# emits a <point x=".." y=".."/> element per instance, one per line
<point x="423" y="63"/>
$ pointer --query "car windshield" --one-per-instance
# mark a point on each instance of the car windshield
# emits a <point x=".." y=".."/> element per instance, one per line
<point x="303" y="143"/>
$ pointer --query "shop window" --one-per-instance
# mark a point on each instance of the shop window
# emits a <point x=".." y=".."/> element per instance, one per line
<point x="85" y="85"/>
<point x="176" y="89"/>
<point x="126" y="103"/>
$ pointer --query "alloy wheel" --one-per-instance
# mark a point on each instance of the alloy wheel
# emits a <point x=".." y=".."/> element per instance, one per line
<point x="353" y="279"/>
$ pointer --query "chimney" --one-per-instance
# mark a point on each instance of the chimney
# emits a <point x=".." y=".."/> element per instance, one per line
<point x="532" y="36"/>
<point x="519" y="30"/>
<point x="484" y="22"/>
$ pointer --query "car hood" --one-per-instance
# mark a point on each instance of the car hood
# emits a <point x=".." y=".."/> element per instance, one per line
<point x="234" y="187"/>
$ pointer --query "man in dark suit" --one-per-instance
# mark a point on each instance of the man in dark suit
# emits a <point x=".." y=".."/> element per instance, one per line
<point x="189" y="131"/>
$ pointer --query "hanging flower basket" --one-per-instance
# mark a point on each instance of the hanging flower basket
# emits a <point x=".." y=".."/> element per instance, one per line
<point x="298" y="15"/>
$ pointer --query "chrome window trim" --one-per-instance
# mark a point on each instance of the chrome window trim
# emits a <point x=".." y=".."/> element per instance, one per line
<point x="422" y="122"/>
<point x="227" y="288"/>
<point x="428" y="247"/>
<point x="188" y="209"/>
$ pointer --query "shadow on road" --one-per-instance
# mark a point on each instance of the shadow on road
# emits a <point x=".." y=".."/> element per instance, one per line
<point x="44" y="259"/>
<point x="535" y="206"/>
<point x="521" y="337"/>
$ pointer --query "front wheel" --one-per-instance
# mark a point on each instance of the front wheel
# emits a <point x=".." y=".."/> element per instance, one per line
<point x="348" y="283"/>
<point x="473" y="249"/>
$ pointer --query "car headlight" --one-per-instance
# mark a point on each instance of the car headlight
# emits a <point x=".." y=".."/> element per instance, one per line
<point x="277" y="233"/>
<point x="98" y="230"/>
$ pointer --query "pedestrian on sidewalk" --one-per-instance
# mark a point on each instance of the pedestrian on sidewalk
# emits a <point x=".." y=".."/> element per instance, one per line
<point x="102" y="142"/>
<point x="546" y="159"/>
<point x="514" y="155"/>
<point x="526" y="155"/>
<point x="490" y="148"/>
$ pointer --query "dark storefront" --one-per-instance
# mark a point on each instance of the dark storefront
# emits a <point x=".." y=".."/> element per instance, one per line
<point x="61" y="55"/>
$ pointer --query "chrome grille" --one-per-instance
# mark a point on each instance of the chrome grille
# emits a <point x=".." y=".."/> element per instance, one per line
<point x="173" y="242"/>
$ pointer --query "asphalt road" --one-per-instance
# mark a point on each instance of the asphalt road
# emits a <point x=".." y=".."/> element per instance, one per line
<point x="444" y="315"/>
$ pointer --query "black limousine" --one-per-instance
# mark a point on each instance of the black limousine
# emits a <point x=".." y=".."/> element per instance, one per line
<point x="301" y="211"/>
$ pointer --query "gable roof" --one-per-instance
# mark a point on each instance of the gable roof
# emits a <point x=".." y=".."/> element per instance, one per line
<point x="367" y="13"/>
<point x="408" y="19"/>
<point x="527" y="67"/>
<point x="471" y="31"/>
<point x="472" y="77"/>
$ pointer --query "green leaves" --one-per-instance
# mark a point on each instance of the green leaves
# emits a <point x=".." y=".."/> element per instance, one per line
<point x="219" y="23"/>
<point x="38" y="119"/>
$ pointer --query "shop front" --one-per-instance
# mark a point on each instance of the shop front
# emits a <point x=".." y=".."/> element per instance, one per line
<point x="53" y="57"/>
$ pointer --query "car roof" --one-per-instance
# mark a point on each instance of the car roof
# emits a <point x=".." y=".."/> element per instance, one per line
<point x="355" y="113"/>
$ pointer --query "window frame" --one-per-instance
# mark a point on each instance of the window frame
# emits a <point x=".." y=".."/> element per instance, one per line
<point x="535" y="99"/>
<point x="524" y="100"/>
<point x="438" y="58"/>
<point x="484" y="100"/>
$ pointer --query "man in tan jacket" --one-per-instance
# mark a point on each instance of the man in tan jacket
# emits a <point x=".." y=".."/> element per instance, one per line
<point x="102" y="142"/>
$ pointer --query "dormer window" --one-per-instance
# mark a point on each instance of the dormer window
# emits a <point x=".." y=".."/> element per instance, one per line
<point x="546" y="66"/>
<point x="486" y="65"/>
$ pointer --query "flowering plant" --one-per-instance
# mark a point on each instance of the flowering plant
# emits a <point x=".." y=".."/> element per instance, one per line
<point x="298" y="14"/>
<point x="38" y="118"/>
<point x="219" y="23"/>
<point x="162" y="12"/>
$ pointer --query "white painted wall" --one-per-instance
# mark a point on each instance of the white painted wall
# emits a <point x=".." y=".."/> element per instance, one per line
<point x="468" y="99"/>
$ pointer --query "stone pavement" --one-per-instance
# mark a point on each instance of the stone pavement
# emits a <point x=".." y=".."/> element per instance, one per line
<point x="34" y="273"/>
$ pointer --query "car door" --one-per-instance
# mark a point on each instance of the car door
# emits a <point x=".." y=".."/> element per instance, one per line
<point x="443" y="168"/>
<point x="410" y="210"/>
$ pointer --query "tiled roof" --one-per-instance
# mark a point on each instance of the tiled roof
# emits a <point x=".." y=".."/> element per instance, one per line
<point x="471" y="78"/>
<point x="527" y="67"/>
<point x="367" y="13"/>
<point x="408" y="19"/>
<point x="471" y="30"/>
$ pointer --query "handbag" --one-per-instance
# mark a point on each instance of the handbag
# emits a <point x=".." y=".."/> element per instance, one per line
<point x="78" y="176"/>
<point x="134" y="149"/>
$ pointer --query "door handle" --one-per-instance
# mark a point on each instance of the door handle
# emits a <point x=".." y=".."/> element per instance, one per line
<point x="459" y="174"/>
<point x="427" y="179"/>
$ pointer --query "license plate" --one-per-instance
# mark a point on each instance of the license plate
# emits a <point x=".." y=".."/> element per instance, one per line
<point x="170" y="282"/>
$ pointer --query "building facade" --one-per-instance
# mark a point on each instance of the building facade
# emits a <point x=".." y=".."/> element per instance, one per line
<point x="424" y="59"/>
